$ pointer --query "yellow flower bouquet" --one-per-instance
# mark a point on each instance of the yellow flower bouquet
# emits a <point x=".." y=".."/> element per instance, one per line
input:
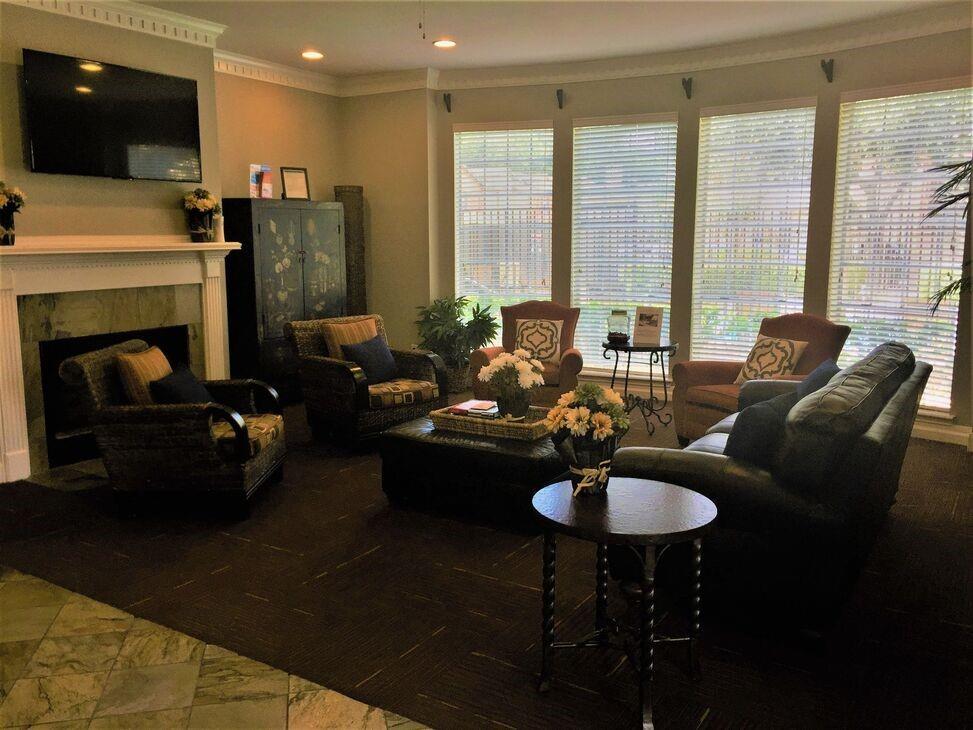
<point x="201" y="205"/>
<point x="11" y="201"/>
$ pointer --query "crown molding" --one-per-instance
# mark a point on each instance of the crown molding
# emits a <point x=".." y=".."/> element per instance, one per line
<point x="385" y="83"/>
<point x="273" y="73"/>
<point x="133" y="16"/>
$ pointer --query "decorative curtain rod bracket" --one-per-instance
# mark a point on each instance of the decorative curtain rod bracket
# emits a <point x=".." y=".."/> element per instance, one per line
<point x="687" y="86"/>
<point x="560" y="98"/>
<point x="828" y="67"/>
<point x="448" y="101"/>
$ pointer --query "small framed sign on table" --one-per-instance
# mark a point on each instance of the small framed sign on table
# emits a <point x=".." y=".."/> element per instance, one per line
<point x="294" y="183"/>
<point x="648" y="326"/>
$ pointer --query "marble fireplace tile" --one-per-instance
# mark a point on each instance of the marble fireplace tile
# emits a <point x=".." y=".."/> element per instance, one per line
<point x="75" y="654"/>
<point x="269" y="713"/>
<point x="52" y="699"/>
<point x="146" y="689"/>
<point x="14" y="657"/>
<point x="324" y="709"/>
<point x="148" y="644"/>
<point x="174" y="719"/>
<point x="84" y="616"/>
<point x="233" y="677"/>
<point x="28" y="593"/>
<point x="21" y="624"/>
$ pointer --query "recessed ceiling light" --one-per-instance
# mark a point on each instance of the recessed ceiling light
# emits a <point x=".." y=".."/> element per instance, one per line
<point x="444" y="43"/>
<point x="83" y="89"/>
<point x="313" y="55"/>
<point x="90" y="66"/>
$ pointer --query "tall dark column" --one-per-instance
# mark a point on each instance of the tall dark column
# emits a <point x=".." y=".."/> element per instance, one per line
<point x="351" y="196"/>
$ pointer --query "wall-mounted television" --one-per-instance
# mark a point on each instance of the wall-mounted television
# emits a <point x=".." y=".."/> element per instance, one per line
<point x="86" y="117"/>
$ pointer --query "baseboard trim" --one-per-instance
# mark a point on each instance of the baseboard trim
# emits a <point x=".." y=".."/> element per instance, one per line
<point x="947" y="433"/>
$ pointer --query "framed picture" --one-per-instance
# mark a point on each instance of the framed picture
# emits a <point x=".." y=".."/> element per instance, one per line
<point x="293" y="180"/>
<point x="648" y="326"/>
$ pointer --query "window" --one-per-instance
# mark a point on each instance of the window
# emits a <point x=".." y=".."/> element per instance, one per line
<point x="886" y="260"/>
<point x="752" y="194"/>
<point x="621" y="237"/>
<point x="503" y="213"/>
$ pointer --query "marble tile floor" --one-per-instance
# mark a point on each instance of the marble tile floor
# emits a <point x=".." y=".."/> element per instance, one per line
<point x="70" y="663"/>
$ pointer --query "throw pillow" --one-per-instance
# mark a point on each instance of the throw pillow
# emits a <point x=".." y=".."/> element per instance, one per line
<point x="373" y="357"/>
<point x="758" y="430"/>
<point x="180" y="386"/>
<point x="138" y="369"/>
<point x="540" y="337"/>
<point x="771" y="357"/>
<point x="354" y="332"/>
<point x="817" y="378"/>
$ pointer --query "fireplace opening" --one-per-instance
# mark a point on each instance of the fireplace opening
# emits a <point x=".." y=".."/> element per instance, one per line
<point x="69" y="437"/>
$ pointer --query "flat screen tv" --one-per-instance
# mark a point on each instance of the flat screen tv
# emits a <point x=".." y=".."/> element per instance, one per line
<point x="85" y="117"/>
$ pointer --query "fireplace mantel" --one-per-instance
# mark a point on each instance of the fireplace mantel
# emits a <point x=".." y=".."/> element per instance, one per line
<point x="51" y="264"/>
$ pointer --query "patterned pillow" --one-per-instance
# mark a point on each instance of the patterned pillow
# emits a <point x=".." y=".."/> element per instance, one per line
<point x="540" y="337"/>
<point x="354" y="332"/>
<point x="138" y="369"/>
<point x="771" y="357"/>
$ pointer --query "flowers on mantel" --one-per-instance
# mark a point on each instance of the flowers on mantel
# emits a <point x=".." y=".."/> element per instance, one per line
<point x="201" y="205"/>
<point x="11" y="201"/>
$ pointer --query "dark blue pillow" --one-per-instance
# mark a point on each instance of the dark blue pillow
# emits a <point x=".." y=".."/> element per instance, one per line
<point x="179" y="386"/>
<point x="818" y="378"/>
<point x="758" y="430"/>
<point x="373" y="357"/>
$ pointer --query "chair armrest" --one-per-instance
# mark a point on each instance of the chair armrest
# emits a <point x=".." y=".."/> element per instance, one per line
<point x="756" y="391"/>
<point x="334" y="381"/>
<point x="245" y="396"/>
<point x="570" y="366"/>
<point x="422" y="365"/>
<point x="479" y="359"/>
<point x="704" y="372"/>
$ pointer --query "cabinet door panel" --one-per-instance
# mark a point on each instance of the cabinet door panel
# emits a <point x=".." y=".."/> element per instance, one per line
<point x="280" y="284"/>
<point x="324" y="263"/>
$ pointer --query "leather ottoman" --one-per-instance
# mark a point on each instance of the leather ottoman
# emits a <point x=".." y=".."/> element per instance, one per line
<point x="481" y="477"/>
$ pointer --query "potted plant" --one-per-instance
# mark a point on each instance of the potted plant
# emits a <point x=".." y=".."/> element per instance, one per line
<point x="200" y="206"/>
<point x="586" y="425"/>
<point x="444" y="329"/>
<point x="11" y="201"/>
<point x="955" y="190"/>
<point x="513" y="378"/>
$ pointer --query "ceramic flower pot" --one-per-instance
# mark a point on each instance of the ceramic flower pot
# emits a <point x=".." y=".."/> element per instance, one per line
<point x="589" y="462"/>
<point x="514" y="403"/>
<point x="200" y="226"/>
<point x="7" y="234"/>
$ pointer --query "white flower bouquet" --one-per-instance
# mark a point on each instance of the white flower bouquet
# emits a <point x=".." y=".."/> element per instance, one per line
<point x="586" y="425"/>
<point x="513" y="377"/>
<point x="11" y="201"/>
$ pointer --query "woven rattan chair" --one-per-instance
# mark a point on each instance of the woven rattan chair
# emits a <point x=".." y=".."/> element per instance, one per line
<point x="174" y="448"/>
<point x="337" y="394"/>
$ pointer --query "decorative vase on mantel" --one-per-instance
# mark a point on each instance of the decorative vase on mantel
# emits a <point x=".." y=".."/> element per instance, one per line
<point x="8" y="236"/>
<point x="11" y="201"/>
<point x="201" y="205"/>
<point x="200" y="226"/>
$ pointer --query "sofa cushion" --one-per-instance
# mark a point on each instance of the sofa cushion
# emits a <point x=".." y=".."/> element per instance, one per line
<point x="771" y="357"/>
<point x="759" y="430"/>
<point x="822" y="427"/>
<point x="723" y="397"/>
<point x="350" y="331"/>
<point x="180" y="386"/>
<point x="262" y="428"/>
<point x="374" y="358"/>
<point x="138" y="369"/>
<point x="723" y="426"/>
<point x="401" y="392"/>
<point x="711" y="443"/>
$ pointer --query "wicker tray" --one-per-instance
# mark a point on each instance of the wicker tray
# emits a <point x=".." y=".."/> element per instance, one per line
<point x="531" y="428"/>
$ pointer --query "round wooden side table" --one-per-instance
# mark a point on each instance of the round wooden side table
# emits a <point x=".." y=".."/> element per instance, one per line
<point x="637" y="514"/>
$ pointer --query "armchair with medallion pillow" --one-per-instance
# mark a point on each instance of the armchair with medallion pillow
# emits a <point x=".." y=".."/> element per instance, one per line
<point x="546" y="329"/>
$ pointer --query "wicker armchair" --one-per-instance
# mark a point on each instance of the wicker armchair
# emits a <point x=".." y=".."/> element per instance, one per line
<point x="174" y="448"/>
<point x="337" y="396"/>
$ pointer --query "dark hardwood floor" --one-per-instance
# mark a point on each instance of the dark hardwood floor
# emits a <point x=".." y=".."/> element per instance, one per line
<point x="438" y="619"/>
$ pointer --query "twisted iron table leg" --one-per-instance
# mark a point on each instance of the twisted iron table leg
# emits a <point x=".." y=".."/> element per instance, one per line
<point x="696" y="607"/>
<point x="601" y="591"/>
<point x="547" y="613"/>
<point x="647" y="637"/>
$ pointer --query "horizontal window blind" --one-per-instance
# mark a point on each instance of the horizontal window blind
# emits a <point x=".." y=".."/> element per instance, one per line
<point x="621" y="237"/>
<point x="886" y="260"/>
<point x="503" y="214"/>
<point x="753" y="187"/>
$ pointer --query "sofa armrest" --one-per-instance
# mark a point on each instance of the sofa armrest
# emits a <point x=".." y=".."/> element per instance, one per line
<point x="704" y="372"/>
<point x="333" y="383"/>
<point x="757" y="391"/>
<point x="422" y="365"/>
<point x="245" y="395"/>
<point x="570" y="367"/>
<point x="748" y="498"/>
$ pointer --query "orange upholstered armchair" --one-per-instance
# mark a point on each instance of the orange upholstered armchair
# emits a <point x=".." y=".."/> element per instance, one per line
<point x="704" y="391"/>
<point x="562" y="362"/>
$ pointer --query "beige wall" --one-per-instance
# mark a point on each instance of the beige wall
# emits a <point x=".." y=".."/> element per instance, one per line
<point x="275" y="125"/>
<point x="935" y="57"/>
<point x="63" y="204"/>
<point x="383" y="148"/>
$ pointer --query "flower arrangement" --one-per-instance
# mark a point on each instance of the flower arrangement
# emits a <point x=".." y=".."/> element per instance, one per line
<point x="586" y="425"/>
<point x="201" y="205"/>
<point x="11" y="201"/>
<point x="513" y="376"/>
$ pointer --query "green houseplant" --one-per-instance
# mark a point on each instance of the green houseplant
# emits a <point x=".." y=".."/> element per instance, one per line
<point x="445" y="329"/>
<point x="955" y="190"/>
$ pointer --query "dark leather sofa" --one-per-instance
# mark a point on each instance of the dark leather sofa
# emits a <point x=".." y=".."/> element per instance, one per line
<point x="791" y="539"/>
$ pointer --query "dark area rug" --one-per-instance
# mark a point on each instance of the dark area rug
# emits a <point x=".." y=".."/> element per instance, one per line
<point x="438" y="619"/>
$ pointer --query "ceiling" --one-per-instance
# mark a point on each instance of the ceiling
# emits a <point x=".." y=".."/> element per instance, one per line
<point x="370" y="37"/>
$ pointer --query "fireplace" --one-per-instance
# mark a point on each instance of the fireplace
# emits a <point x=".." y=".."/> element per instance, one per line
<point x="66" y="429"/>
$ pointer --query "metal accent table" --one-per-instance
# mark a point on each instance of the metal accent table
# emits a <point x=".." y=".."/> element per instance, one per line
<point x="644" y="516"/>
<point x="653" y="405"/>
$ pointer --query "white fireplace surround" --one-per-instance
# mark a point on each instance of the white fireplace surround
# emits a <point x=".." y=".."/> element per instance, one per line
<point x="51" y="264"/>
